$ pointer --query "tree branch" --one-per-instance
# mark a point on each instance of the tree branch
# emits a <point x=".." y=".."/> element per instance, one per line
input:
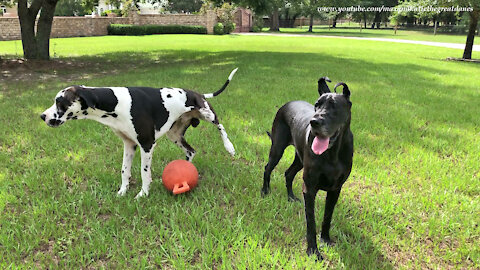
<point x="35" y="7"/>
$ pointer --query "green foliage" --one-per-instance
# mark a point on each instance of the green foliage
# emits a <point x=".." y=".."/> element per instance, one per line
<point x="116" y="3"/>
<point x="225" y="15"/>
<point x="462" y="26"/>
<point x="89" y="5"/>
<point x="228" y="27"/>
<point x="140" y="30"/>
<point x="258" y="21"/>
<point x="118" y="12"/>
<point x="256" y="28"/>
<point x="70" y="8"/>
<point x="218" y="29"/>
<point x="129" y="6"/>
<point x="184" y="6"/>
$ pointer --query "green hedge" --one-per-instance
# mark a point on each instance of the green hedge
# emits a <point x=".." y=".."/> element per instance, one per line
<point x="139" y="30"/>
<point x="218" y="29"/>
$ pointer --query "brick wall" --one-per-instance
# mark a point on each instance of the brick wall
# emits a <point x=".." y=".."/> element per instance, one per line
<point x="97" y="26"/>
<point x="9" y="28"/>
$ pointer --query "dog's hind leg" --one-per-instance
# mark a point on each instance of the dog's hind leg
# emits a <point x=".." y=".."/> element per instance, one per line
<point x="209" y="115"/>
<point x="290" y="175"/>
<point x="281" y="138"/>
<point x="176" y="135"/>
<point x="129" y="148"/>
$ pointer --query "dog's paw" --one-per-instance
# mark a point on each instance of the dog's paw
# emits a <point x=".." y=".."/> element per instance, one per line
<point x="265" y="191"/>
<point x="314" y="251"/>
<point x="229" y="146"/>
<point x="293" y="198"/>
<point x="141" y="194"/>
<point x="327" y="241"/>
<point x="122" y="191"/>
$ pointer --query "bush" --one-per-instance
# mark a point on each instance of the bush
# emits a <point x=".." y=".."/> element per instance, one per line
<point x="218" y="29"/>
<point x="229" y="27"/>
<point x="256" y="28"/>
<point x="257" y="23"/>
<point x="138" y="30"/>
<point x="116" y="11"/>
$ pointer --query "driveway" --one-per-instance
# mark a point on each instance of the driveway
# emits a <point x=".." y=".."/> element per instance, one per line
<point x="428" y="43"/>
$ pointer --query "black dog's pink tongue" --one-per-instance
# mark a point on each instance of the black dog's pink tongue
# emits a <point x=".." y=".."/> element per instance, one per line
<point x="320" y="145"/>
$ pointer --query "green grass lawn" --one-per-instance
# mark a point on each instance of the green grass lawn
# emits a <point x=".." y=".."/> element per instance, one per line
<point x="412" y="200"/>
<point x="353" y="30"/>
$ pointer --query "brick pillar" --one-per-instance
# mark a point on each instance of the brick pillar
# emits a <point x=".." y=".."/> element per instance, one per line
<point x="211" y="18"/>
<point x="133" y="16"/>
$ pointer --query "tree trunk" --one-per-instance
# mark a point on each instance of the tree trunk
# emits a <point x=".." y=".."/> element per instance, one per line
<point x="274" y="22"/>
<point x="376" y="20"/>
<point x="474" y="16"/>
<point x="334" y="23"/>
<point x="44" y="29"/>
<point x="310" y="27"/>
<point x="434" y="27"/>
<point x="365" y="20"/>
<point x="36" y="46"/>
<point x="27" y="18"/>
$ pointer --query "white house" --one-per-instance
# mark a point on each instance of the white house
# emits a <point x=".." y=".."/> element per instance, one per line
<point x="145" y="8"/>
<point x="9" y="10"/>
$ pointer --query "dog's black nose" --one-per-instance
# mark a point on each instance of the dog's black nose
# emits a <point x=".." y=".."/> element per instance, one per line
<point x="43" y="116"/>
<point x="316" y="122"/>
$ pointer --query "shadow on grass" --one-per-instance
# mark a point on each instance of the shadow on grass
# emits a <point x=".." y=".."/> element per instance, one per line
<point x="265" y="81"/>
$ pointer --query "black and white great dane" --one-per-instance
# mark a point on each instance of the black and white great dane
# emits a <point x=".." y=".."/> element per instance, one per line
<point x="323" y="148"/>
<point x="139" y="116"/>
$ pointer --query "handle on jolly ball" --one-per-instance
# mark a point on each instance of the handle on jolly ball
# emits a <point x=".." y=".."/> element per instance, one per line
<point x="181" y="188"/>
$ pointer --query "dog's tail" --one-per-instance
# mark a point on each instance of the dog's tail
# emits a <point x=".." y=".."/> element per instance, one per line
<point x="211" y="95"/>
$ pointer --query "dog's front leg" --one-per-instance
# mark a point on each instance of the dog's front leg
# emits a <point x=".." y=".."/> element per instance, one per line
<point x="331" y="201"/>
<point x="309" y="198"/>
<point x="128" y="154"/>
<point x="146" y="172"/>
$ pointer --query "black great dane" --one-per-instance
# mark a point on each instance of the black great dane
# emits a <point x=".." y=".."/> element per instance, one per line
<point x="323" y="148"/>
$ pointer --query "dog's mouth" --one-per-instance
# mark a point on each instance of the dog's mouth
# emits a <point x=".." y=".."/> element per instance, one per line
<point x="54" y="122"/>
<point x="321" y="143"/>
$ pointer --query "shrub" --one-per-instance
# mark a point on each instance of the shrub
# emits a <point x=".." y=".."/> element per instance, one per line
<point x="218" y="29"/>
<point x="257" y="23"/>
<point x="116" y="11"/>
<point x="256" y="28"/>
<point x="229" y="27"/>
<point x="138" y="30"/>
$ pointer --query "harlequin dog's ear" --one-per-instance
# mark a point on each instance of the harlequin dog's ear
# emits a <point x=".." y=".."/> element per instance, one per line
<point x="87" y="98"/>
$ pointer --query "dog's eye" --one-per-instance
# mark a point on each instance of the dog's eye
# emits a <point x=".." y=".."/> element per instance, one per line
<point x="61" y="107"/>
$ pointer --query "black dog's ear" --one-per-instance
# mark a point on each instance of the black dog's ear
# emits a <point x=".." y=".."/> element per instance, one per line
<point x="87" y="98"/>
<point x="346" y="91"/>
<point x="322" y="85"/>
